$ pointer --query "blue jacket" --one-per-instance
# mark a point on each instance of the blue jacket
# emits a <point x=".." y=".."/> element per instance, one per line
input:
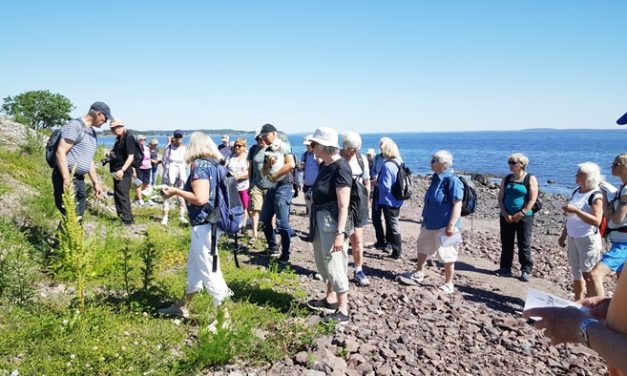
<point x="385" y="181"/>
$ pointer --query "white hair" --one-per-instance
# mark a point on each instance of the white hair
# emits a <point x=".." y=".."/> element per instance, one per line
<point x="592" y="171"/>
<point x="383" y="140"/>
<point x="443" y="157"/>
<point x="520" y="158"/>
<point x="351" y="140"/>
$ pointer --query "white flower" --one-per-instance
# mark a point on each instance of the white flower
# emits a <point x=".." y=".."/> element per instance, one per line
<point x="176" y="322"/>
<point x="159" y="347"/>
<point x="123" y="348"/>
<point x="65" y="322"/>
<point x="94" y="348"/>
<point x="72" y="356"/>
<point x="127" y="334"/>
<point x="145" y="314"/>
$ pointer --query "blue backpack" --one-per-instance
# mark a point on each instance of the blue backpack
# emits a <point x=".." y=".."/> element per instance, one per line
<point x="227" y="210"/>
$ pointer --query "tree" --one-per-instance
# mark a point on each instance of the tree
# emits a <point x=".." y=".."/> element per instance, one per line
<point x="40" y="108"/>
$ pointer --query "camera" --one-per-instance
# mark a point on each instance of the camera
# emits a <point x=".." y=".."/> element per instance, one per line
<point x="107" y="159"/>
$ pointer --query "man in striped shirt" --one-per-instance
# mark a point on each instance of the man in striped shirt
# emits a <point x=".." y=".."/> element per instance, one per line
<point x="75" y="153"/>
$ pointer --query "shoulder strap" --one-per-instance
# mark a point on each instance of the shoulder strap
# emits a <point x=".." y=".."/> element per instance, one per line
<point x="360" y="162"/>
<point x="305" y="154"/>
<point x="526" y="181"/>
<point x="591" y="196"/>
<point x="574" y="192"/>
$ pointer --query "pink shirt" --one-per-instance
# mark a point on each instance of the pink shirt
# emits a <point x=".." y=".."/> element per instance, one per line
<point x="146" y="165"/>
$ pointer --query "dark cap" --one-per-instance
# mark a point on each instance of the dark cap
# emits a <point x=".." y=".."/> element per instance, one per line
<point x="267" y="128"/>
<point x="622" y="120"/>
<point x="178" y="134"/>
<point x="102" y="107"/>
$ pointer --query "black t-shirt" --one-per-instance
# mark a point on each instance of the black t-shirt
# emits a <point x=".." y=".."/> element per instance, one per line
<point x="337" y="174"/>
<point x="122" y="148"/>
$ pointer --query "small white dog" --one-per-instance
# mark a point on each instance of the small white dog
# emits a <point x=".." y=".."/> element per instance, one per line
<point x="274" y="161"/>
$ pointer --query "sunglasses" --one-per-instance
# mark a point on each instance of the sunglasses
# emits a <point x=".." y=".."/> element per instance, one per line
<point x="512" y="163"/>
<point x="238" y="146"/>
<point x="616" y="164"/>
<point x="434" y="160"/>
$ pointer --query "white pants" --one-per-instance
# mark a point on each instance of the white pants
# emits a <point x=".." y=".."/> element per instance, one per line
<point x="176" y="173"/>
<point x="200" y="264"/>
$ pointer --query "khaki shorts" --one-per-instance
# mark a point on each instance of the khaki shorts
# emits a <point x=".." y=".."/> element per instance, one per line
<point x="429" y="243"/>
<point x="256" y="198"/>
<point x="584" y="252"/>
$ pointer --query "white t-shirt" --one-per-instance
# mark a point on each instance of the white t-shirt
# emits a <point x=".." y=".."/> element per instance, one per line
<point x="239" y="166"/>
<point x="177" y="154"/>
<point x="575" y="226"/>
<point x="356" y="169"/>
<point x="617" y="236"/>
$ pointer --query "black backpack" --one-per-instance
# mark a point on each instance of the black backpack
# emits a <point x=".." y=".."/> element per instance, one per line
<point x="538" y="205"/>
<point x="402" y="188"/>
<point x="53" y="144"/>
<point x="358" y="205"/>
<point x="469" y="202"/>
<point x="138" y="156"/>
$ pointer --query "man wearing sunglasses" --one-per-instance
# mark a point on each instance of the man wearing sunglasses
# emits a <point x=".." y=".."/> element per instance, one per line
<point x="75" y="155"/>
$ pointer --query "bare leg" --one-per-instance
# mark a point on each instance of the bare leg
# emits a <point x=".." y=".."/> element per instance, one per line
<point x="255" y="221"/>
<point x="331" y="297"/>
<point x="591" y="286"/>
<point x="357" y="245"/>
<point x="598" y="273"/>
<point x="579" y="289"/>
<point x="421" y="261"/>
<point x="342" y="302"/>
<point x="449" y="271"/>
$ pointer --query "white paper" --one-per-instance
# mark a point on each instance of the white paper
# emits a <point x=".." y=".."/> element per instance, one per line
<point x="541" y="299"/>
<point x="454" y="239"/>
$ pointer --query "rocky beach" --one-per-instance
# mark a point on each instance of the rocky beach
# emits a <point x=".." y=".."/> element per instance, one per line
<point x="416" y="330"/>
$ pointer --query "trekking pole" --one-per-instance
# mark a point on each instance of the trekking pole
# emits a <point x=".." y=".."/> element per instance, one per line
<point x="235" y="250"/>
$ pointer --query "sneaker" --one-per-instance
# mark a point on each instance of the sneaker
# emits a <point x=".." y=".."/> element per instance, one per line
<point x="164" y="220"/>
<point x="360" y="278"/>
<point x="525" y="277"/>
<point x="417" y="277"/>
<point x="273" y="251"/>
<point x="503" y="272"/>
<point x="284" y="260"/>
<point x="337" y="317"/>
<point x="151" y="203"/>
<point x="380" y="246"/>
<point x="174" y="311"/>
<point x="447" y="288"/>
<point x="139" y="202"/>
<point x="322" y="305"/>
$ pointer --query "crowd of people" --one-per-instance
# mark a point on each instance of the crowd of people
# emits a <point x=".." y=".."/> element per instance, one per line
<point x="344" y="192"/>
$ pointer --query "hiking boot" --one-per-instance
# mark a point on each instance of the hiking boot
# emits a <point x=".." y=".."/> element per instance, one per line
<point x="284" y="260"/>
<point x="322" y="305"/>
<point x="337" y="317"/>
<point x="417" y="277"/>
<point x="174" y="311"/>
<point x="503" y="272"/>
<point x="273" y="251"/>
<point x="447" y="288"/>
<point x="525" y="277"/>
<point x="360" y="278"/>
<point x="380" y="246"/>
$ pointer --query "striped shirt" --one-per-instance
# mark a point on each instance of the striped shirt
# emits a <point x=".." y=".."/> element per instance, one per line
<point x="82" y="153"/>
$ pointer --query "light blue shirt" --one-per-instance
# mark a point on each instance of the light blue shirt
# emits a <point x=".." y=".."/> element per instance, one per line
<point x="311" y="168"/>
<point x="445" y="188"/>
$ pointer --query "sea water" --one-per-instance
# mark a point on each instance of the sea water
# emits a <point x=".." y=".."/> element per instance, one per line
<point x="553" y="154"/>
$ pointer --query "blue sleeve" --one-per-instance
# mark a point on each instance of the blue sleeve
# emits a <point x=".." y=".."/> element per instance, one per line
<point x="455" y="189"/>
<point x="386" y="178"/>
<point x="200" y="172"/>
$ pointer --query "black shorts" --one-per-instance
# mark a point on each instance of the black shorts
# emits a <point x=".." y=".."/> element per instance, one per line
<point x="144" y="175"/>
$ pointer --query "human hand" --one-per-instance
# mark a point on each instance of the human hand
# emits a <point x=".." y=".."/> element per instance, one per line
<point x="517" y="217"/>
<point x="562" y="241"/>
<point x="450" y="230"/>
<point x="569" y="208"/>
<point x="67" y="182"/>
<point x="169" y="191"/>
<point x="561" y="325"/>
<point x="338" y="244"/>
<point x="119" y="174"/>
<point x="98" y="190"/>
<point x="598" y="306"/>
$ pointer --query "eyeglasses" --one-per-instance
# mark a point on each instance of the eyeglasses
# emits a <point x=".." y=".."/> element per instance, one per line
<point x="238" y="146"/>
<point x="616" y="164"/>
<point x="512" y="163"/>
<point x="434" y="160"/>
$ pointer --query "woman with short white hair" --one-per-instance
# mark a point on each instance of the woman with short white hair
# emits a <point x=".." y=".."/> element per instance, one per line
<point x="584" y="213"/>
<point x="441" y="218"/>
<point x="517" y="196"/>
<point x="351" y="142"/>
<point x="331" y="224"/>
<point x="204" y="156"/>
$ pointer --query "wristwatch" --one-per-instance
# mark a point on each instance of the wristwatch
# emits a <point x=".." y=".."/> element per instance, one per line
<point x="342" y="233"/>
<point x="583" y="330"/>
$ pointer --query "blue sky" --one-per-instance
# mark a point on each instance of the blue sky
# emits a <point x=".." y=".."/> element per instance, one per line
<point x="369" y="66"/>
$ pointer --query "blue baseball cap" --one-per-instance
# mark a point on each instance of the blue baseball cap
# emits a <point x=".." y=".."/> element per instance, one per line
<point x="622" y="120"/>
<point x="102" y="107"/>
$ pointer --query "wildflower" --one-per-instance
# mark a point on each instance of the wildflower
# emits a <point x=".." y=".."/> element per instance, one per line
<point x="159" y="347"/>
<point x="72" y="356"/>
<point x="176" y="322"/>
<point x="65" y="322"/>
<point x="94" y="348"/>
<point x="127" y="334"/>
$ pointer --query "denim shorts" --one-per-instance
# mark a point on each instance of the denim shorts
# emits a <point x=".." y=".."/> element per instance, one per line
<point x="615" y="258"/>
